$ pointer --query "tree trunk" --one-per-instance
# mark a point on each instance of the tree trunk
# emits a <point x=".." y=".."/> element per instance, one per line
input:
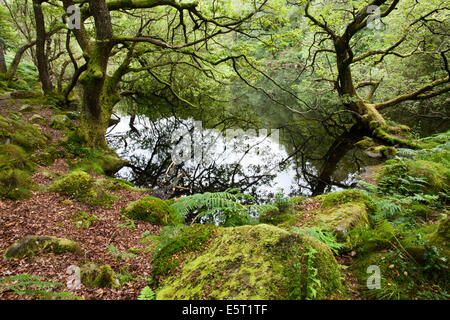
<point x="3" y="67"/>
<point x="16" y="61"/>
<point x="41" y="56"/>
<point x="94" y="122"/>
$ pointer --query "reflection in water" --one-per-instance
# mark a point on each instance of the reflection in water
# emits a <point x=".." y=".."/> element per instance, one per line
<point x="213" y="161"/>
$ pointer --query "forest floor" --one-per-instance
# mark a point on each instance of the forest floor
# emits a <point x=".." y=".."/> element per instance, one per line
<point x="47" y="213"/>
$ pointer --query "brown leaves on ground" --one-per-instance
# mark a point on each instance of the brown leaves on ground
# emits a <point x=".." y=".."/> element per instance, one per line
<point x="45" y="214"/>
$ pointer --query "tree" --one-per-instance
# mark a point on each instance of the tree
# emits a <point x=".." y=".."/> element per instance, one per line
<point x="188" y="30"/>
<point x="339" y="33"/>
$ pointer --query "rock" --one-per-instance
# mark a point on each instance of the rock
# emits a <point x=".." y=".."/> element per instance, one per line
<point x="95" y="275"/>
<point x="37" y="119"/>
<point x="252" y="263"/>
<point x="153" y="210"/>
<point x="33" y="245"/>
<point x="443" y="231"/>
<point x="26" y="108"/>
<point x="343" y="219"/>
<point x="80" y="185"/>
<point x="25" y="94"/>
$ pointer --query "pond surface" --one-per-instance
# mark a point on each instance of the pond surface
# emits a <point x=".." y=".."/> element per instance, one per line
<point x="179" y="156"/>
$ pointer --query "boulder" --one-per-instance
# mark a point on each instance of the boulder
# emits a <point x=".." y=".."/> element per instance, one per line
<point x="95" y="275"/>
<point x="153" y="210"/>
<point x="33" y="245"/>
<point x="259" y="262"/>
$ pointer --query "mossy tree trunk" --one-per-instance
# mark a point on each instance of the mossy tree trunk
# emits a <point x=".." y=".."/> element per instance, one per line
<point x="3" y="67"/>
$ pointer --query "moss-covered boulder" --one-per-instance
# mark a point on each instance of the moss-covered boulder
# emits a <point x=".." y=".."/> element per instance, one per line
<point x="254" y="262"/>
<point x="94" y="275"/>
<point x="381" y="152"/>
<point x="80" y="185"/>
<point x="34" y="245"/>
<point x="153" y="210"/>
<point x="26" y="108"/>
<point x="37" y="119"/>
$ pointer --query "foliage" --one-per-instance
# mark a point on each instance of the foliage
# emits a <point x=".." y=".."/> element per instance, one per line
<point x="119" y="255"/>
<point x="323" y="235"/>
<point x="147" y="294"/>
<point x="222" y="208"/>
<point x="35" y="287"/>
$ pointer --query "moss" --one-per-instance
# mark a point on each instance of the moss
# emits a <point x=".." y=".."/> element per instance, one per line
<point x="253" y="262"/>
<point x="15" y="181"/>
<point x="22" y="134"/>
<point x="83" y="219"/>
<point x="381" y="151"/>
<point x="94" y="275"/>
<point x="169" y="256"/>
<point x="153" y="210"/>
<point x="33" y="245"/>
<point x="114" y="184"/>
<point x="442" y="234"/>
<point x="14" y="156"/>
<point x="80" y="185"/>
<point x="365" y="143"/>
<point x="335" y="199"/>
<point x="436" y="175"/>
<point x="38" y="119"/>
<point x="343" y="219"/>
<point x="61" y="122"/>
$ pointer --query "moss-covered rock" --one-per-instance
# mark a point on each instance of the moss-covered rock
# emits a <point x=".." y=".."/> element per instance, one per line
<point x="26" y="108"/>
<point x="14" y="130"/>
<point x="83" y="219"/>
<point x="80" y="185"/>
<point x="94" y="275"/>
<point x="442" y="234"/>
<point x="15" y="181"/>
<point x="37" y="119"/>
<point x="365" y="143"/>
<point x="153" y="210"/>
<point x="34" y="245"/>
<point x="435" y="175"/>
<point x="343" y="219"/>
<point x="255" y="262"/>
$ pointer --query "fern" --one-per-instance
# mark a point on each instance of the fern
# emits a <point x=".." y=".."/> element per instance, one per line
<point x="147" y="294"/>
<point x="36" y="287"/>
<point x="225" y="208"/>
<point x="323" y="235"/>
